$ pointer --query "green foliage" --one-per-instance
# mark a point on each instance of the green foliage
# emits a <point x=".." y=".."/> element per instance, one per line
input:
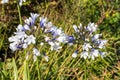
<point x="61" y="65"/>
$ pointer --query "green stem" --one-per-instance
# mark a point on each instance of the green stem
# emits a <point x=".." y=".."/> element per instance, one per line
<point x="86" y="70"/>
<point x="20" y="19"/>
<point x="3" y="9"/>
<point x="38" y="70"/>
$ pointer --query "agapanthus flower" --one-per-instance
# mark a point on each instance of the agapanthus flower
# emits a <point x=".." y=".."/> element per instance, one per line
<point x="21" y="1"/>
<point x="14" y="46"/>
<point x="52" y="30"/>
<point x="31" y="20"/>
<point x="17" y="41"/>
<point x="21" y="28"/>
<point x="43" y="21"/>
<point x="91" y="27"/>
<point x="86" y="46"/>
<point x="55" y="45"/>
<point x="58" y="32"/>
<point x="83" y="37"/>
<point x="96" y="37"/>
<point x="47" y="39"/>
<point x="30" y="39"/>
<point x="21" y="40"/>
<point x="20" y="35"/>
<point x="94" y="53"/>
<point x="91" y="42"/>
<point x="47" y="26"/>
<point x="35" y="54"/>
<point x="101" y="43"/>
<point x="74" y="55"/>
<point x="62" y="38"/>
<point x="84" y="54"/>
<point x="70" y="39"/>
<point x="75" y="28"/>
<point x="58" y="36"/>
<point x="103" y="54"/>
<point x="34" y="16"/>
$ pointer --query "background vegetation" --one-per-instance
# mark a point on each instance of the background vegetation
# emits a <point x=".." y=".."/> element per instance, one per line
<point x="61" y="66"/>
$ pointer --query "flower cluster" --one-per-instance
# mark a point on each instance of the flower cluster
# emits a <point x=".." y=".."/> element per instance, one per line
<point x="91" y="42"/>
<point x="57" y="35"/>
<point x="25" y="35"/>
<point x="20" y="40"/>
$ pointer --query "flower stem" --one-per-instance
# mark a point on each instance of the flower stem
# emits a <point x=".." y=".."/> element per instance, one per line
<point x="3" y="9"/>
<point x="20" y="19"/>
<point x="86" y="70"/>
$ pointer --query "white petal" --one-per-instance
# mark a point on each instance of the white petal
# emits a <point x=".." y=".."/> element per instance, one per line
<point x="13" y="46"/>
<point x="74" y="55"/>
<point x="27" y="27"/>
<point x="75" y="28"/>
<point x="36" y="52"/>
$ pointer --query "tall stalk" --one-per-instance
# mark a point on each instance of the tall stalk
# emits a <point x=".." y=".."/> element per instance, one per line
<point x="19" y="12"/>
<point x="3" y="9"/>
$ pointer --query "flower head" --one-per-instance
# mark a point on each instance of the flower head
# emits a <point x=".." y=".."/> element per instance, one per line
<point x="21" y="28"/>
<point x="31" y="20"/>
<point x="21" y="1"/>
<point x="91" y="27"/>
<point x="43" y="22"/>
<point x="35" y="54"/>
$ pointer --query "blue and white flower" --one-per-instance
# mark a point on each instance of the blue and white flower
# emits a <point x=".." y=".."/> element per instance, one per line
<point x="87" y="46"/>
<point x="91" y="27"/>
<point x="35" y="54"/>
<point x="101" y="43"/>
<point x="91" y="42"/>
<point x="62" y="39"/>
<point x="74" y="55"/>
<point x="54" y="46"/>
<point x="31" y="20"/>
<point x="21" y="1"/>
<point x="43" y="22"/>
<point x="94" y="53"/>
<point x="75" y="28"/>
<point x="84" y="55"/>
<point x="30" y="39"/>
<point x="14" y="46"/>
<point x="21" y="28"/>
<point x="103" y="54"/>
<point x="96" y="37"/>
